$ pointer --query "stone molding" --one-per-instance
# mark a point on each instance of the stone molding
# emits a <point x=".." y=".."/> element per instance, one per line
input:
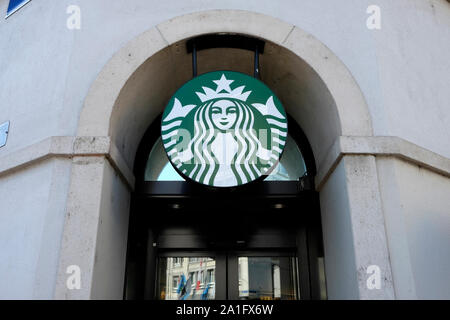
<point x="390" y="146"/>
<point x="69" y="147"/>
<point x="95" y="117"/>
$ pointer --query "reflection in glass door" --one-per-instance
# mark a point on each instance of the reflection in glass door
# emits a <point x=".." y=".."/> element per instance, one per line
<point x="267" y="278"/>
<point x="186" y="278"/>
<point x="250" y="277"/>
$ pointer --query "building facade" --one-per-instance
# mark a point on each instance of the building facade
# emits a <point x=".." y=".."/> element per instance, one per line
<point x="367" y="82"/>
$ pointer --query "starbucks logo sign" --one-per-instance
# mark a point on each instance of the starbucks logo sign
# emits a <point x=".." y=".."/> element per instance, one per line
<point x="224" y="129"/>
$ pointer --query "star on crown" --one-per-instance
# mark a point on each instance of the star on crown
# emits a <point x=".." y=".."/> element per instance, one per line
<point x="223" y="84"/>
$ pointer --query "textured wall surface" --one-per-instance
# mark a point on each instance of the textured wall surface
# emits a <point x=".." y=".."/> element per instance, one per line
<point x="417" y="215"/>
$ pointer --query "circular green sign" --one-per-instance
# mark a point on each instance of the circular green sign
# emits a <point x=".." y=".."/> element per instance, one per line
<point x="224" y="129"/>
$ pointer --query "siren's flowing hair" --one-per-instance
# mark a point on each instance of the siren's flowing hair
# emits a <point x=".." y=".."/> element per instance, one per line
<point x="244" y="162"/>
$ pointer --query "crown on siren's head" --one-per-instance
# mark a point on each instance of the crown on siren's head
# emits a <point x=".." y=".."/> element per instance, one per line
<point x="223" y="84"/>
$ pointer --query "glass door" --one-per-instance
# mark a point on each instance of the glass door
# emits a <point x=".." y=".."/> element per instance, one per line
<point x="227" y="275"/>
<point x="186" y="278"/>
<point x="191" y="276"/>
<point x="264" y="278"/>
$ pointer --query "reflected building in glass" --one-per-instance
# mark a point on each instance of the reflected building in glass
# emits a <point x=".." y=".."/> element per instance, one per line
<point x="267" y="278"/>
<point x="260" y="278"/>
<point x="187" y="278"/>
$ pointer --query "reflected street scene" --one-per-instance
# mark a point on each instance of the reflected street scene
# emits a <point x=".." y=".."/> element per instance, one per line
<point x="186" y="278"/>
<point x="260" y="278"/>
<point x="267" y="278"/>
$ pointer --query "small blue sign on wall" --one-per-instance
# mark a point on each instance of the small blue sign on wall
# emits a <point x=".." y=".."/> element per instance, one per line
<point x="4" y="129"/>
<point x="15" y="5"/>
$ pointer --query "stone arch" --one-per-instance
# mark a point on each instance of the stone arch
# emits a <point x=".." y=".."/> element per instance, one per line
<point x="316" y="88"/>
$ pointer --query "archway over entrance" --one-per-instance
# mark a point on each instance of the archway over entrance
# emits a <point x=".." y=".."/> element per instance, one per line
<point x="315" y="86"/>
<point x="131" y="90"/>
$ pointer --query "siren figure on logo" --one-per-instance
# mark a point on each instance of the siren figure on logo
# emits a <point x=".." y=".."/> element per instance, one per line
<point x="225" y="137"/>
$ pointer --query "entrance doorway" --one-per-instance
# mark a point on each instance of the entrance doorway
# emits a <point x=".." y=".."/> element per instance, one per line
<point x="262" y="240"/>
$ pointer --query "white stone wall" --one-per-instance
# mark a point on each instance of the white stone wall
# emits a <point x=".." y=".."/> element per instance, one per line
<point x="417" y="214"/>
<point x="32" y="213"/>
<point x="402" y="70"/>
